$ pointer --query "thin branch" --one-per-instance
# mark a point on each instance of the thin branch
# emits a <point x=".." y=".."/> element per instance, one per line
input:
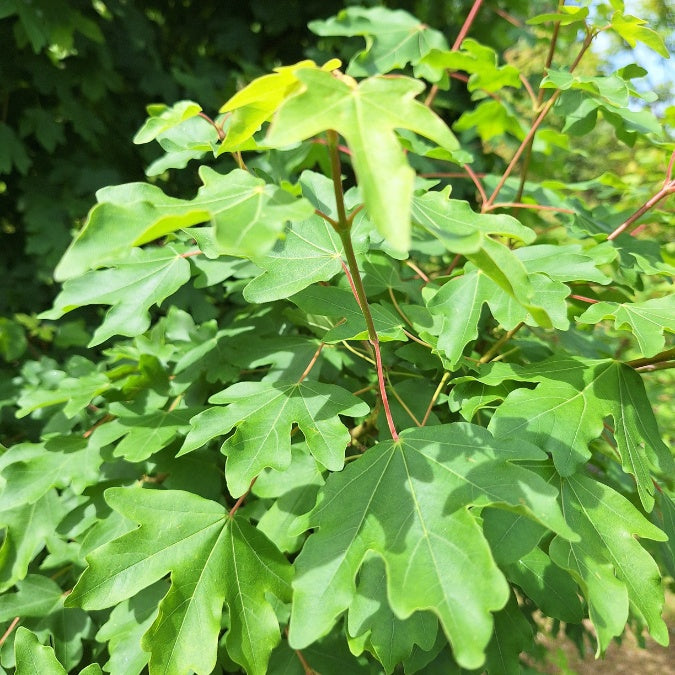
<point x="326" y="217"/>
<point x="665" y="191"/>
<point x="416" y="339"/>
<point x="348" y="274"/>
<point x="656" y="366"/>
<point x="434" y="398"/>
<point x="240" y="501"/>
<point x="420" y="273"/>
<point x="536" y="207"/>
<point x="313" y="360"/>
<point x="530" y="91"/>
<point x="667" y="355"/>
<point x="356" y="352"/>
<point x="397" y="308"/>
<point x="477" y="182"/>
<point x="583" y="298"/>
<point x="458" y="43"/>
<point x="190" y="254"/>
<point x="540" y="118"/>
<point x="8" y="632"/>
<point x="402" y="403"/>
<point x="499" y="344"/>
<point x="217" y="127"/>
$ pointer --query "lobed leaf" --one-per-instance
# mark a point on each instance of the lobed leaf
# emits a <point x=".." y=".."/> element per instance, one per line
<point x="408" y="501"/>
<point x="213" y="559"/>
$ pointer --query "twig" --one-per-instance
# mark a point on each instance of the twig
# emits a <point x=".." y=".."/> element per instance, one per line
<point x="434" y="398"/>
<point x="416" y="339"/>
<point x="499" y="344"/>
<point x="520" y="205"/>
<point x="665" y="191"/>
<point x="458" y="42"/>
<point x="313" y="360"/>
<point x="668" y="355"/>
<point x="9" y="630"/>
<point x="420" y="273"/>
<point x="477" y="182"/>
<point x="240" y="501"/>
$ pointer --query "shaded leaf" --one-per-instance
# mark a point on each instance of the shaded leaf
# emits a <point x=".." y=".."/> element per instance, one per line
<point x="264" y="413"/>
<point x="407" y="501"/>
<point x="213" y="559"/>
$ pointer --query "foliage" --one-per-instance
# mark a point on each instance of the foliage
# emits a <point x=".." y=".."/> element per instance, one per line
<point x="368" y="394"/>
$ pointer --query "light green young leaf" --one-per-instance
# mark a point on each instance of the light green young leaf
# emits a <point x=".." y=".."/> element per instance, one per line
<point x="389" y="638"/>
<point x="146" y="278"/>
<point x="474" y="58"/>
<point x="341" y="305"/>
<point x="634" y="30"/>
<point x="213" y="559"/>
<point x="393" y="38"/>
<point x="162" y="118"/>
<point x="408" y="501"/>
<point x="247" y="213"/>
<point x="608" y="561"/>
<point x="568" y="15"/>
<point x="490" y="119"/>
<point x="264" y="413"/>
<point x="366" y="114"/>
<point x="647" y="320"/>
<point x="567" y="410"/>
<point x="259" y="100"/>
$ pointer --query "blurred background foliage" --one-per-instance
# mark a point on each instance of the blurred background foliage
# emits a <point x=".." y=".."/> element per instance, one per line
<point x="76" y="77"/>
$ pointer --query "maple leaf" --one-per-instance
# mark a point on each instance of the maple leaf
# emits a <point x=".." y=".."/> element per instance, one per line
<point x="566" y="411"/>
<point x="213" y="559"/>
<point x="366" y="114"/>
<point x="264" y="413"/>
<point x="247" y="213"/>
<point x="648" y="320"/>
<point x="408" y="502"/>
<point x="608" y="561"/>
<point x="146" y="278"/>
<point x="394" y="38"/>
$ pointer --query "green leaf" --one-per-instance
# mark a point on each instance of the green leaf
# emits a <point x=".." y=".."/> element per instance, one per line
<point x="260" y="99"/>
<point x="145" y="434"/>
<point x="124" y="629"/>
<point x="389" y="638"/>
<point x="26" y="529"/>
<point x="647" y="320"/>
<point x="32" y="658"/>
<point x="36" y="596"/>
<point x="349" y="322"/>
<point x="460" y="229"/>
<point x="567" y="410"/>
<point x="474" y="58"/>
<point x="30" y="470"/>
<point x="551" y="587"/>
<point x="512" y="635"/>
<point x="567" y="15"/>
<point x="608" y="561"/>
<point x="393" y="38"/>
<point x="213" y="559"/>
<point x="490" y="119"/>
<point x="633" y="30"/>
<point x="264" y="413"/>
<point x="248" y="216"/>
<point x="366" y="114"/>
<point x="408" y="502"/>
<point x="132" y="287"/>
<point x="459" y="304"/>
<point x="162" y="118"/>
<point x="13" y="341"/>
